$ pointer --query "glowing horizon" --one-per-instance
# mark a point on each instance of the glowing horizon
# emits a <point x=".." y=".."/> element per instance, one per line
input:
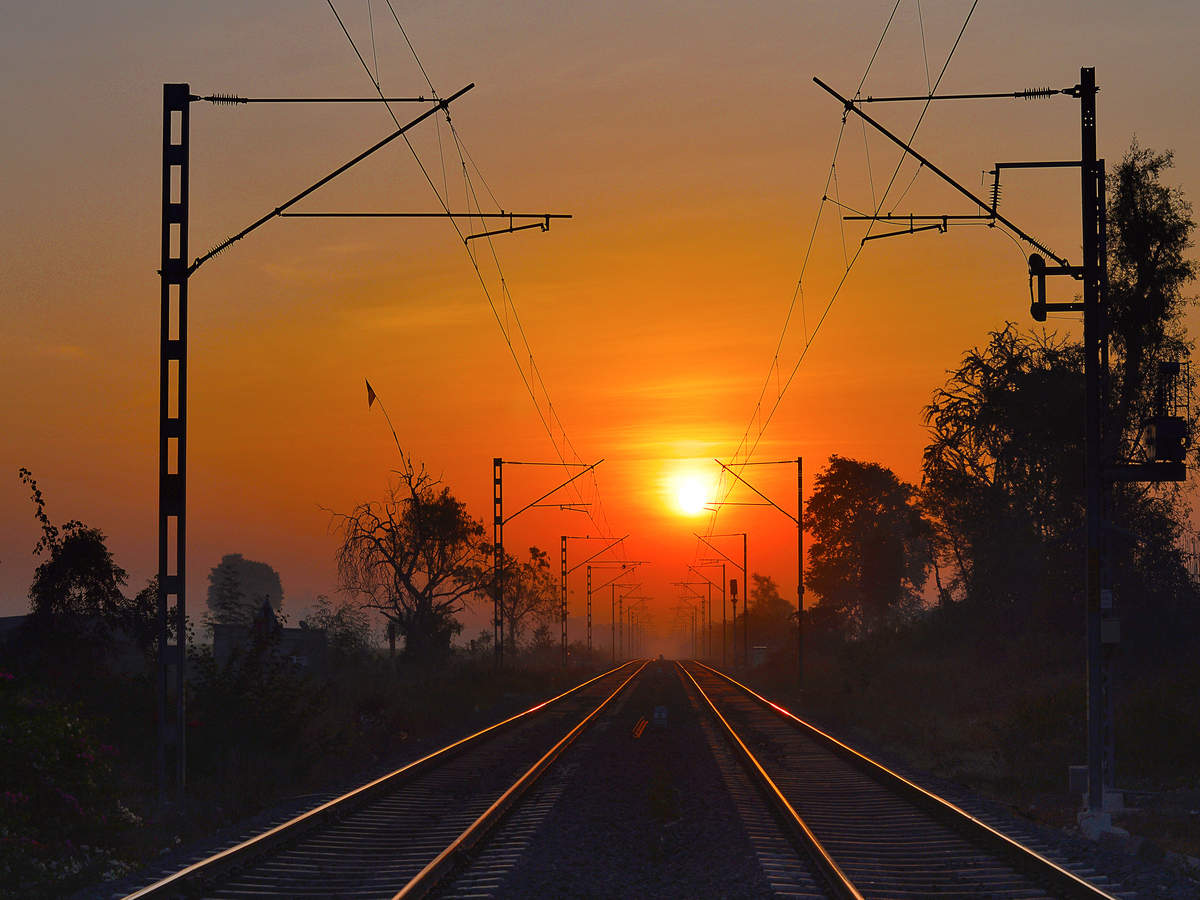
<point x="654" y="315"/>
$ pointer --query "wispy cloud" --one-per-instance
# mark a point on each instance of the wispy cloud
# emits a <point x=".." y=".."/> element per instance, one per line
<point x="63" y="351"/>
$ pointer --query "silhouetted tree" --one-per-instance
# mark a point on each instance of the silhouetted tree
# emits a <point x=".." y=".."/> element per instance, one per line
<point x="870" y="556"/>
<point x="1150" y="229"/>
<point x="237" y="588"/>
<point x="415" y="556"/>
<point x="530" y="593"/>
<point x="1003" y="473"/>
<point x="347" y="626"/>
<point x="542" y="642"/>
<point x="772" y="618"/>
<point x="79" y="582"/>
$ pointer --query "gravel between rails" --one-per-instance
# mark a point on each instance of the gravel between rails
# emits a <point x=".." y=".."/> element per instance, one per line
<point x="635" y="816"/>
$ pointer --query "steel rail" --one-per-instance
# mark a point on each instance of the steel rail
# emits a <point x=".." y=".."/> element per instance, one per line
<point x="441" y="865"/>
<point x="1023" y="858"/>
<point x="798" y="829"/>
<point x="247" y="851"/>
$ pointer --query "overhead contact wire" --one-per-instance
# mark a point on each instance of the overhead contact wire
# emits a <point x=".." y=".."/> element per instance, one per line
<point x="854" y="259"/>
<point x="756" y="414"/>
<point x="506" y="295"/>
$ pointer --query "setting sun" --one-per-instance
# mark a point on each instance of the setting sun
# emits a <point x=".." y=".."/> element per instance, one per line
<point x="691" y="495"/>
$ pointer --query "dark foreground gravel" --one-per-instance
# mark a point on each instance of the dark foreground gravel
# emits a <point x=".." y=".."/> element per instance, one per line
<point x="637" y="816"/>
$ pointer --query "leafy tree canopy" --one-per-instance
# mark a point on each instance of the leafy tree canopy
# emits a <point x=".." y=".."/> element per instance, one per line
<point x="237" y="588"/>
<point x="772" y="618"/>
<point x="870" y="557"/>
<point x="78" y="579"/>
<point x="416" y="556"/>
<point x="530" y="592"/>
<point x="1003" y="472"/>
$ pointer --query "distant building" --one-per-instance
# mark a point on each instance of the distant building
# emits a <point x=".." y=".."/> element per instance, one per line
<point x="306" y="648"/>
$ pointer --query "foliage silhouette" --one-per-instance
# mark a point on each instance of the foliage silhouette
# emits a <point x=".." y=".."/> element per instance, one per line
<point x="530" y="593"/>
<point x="78" y="587"/>
<point x="871" y="552"/>
<point x="772" y="618"/>
<point x="1003" y="481"/>
<point x="347" y="628"/>
<point x="237" y="587"/>
<point x="1003" y="473"/>
<point x="416" y="557"/>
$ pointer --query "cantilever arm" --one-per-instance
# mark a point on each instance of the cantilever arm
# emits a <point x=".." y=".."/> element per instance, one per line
<point x="442" y="104"/>
<point x="851" y="106"/>
<point x="604" y="549"/>
<point x="729" y="469"/>
<point x="736" y="565"/>
<point x="578" y="474"/>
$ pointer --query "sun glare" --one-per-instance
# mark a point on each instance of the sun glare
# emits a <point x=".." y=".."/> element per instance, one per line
<point x="691" y="495"/>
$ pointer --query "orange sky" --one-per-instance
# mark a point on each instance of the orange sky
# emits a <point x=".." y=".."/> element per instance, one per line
<point x="690" y="145"/>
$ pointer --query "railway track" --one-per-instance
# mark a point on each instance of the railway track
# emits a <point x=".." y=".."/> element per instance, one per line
<point x="866" y="830"/>
<point x="401" y="833"/>
<point x="525" y="809"/>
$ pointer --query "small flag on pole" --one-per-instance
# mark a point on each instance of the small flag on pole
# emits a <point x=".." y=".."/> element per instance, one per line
<point x="370" y="394"/>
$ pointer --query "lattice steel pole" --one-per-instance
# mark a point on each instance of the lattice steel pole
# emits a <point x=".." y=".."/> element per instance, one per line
<point x="589" y="610"/>
<point x="172" y="441"/>
<point x="497" y="557"/>
<point x="745" y="607"/>
<point x="621" y="625"/>
<point x="1093" y="339"/>
<point x="564" y="599"/>
<point x="612" y="617"/>
<point x="708" y="642"/>
<point x="800" y="571"/>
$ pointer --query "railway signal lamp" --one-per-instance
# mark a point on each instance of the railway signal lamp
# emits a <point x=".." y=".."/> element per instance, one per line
<point x="1165" y="436"/>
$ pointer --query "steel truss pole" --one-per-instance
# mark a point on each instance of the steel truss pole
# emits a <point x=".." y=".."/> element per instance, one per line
<point x="172" y="444"/>
<point x="171" y="753"/>
<point x="621" y="625"/>
<point x="563" y="613"/>
<point x="497" y="558"/>
<point x="589" y="610"/>
<point x="1093" y="340"/>
<point x="799" y="571"/>
<point x="708" y="652"/>
<point x="724" y="597"/>
<point x="745" y="608"/>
